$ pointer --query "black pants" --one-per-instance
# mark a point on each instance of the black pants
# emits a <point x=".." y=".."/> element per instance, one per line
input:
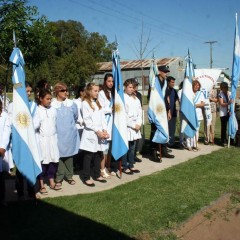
<point x="20" y="186"/>
<point x="224" y="122"/>
<point x="2" y="187"/>
<point x="95" y="159"/>
<point x="156" y="145"/>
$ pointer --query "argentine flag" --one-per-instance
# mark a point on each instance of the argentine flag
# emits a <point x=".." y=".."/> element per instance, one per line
<point x="157" y="113"/>
<point x="189" y="123"/>
<point x="24" y="146"/>
<point x="233" y="124"/>
<point x="119" y="130"/>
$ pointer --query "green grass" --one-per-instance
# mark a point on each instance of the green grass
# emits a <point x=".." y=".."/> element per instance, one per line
<point x="147" y="208"/>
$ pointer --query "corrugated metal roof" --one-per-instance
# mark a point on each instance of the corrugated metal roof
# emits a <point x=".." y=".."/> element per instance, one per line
<point x="136" y="64"/>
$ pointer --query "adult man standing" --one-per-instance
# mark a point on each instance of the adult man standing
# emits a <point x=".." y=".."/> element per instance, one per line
<point x="162" y="75"/>
<point x="173" y="98"/>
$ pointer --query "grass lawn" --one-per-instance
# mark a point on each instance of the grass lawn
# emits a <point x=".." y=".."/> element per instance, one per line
<point x="148" y="208"/>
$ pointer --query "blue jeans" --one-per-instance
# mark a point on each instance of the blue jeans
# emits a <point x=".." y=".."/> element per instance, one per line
<point x="128" y="158"/>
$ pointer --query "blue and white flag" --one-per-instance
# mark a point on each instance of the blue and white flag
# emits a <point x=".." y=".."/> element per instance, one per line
<point x="24" y="145"/>
<point x="232" y="124"/>
<point x="119" y="130"/>
<point x="189" y="122"/>
<point x="157" y="113"/>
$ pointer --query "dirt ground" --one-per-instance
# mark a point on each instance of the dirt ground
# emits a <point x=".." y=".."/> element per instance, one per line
<point x="220" y="221"/>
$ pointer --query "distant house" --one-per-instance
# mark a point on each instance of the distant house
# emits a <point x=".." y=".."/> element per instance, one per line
<point x="140" y="70"/>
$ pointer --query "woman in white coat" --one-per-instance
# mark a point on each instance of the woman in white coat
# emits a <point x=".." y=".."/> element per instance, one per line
<point x="105" y="99"/>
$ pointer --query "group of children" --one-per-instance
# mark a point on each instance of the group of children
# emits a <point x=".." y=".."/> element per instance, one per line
<point x="66" y="129"/>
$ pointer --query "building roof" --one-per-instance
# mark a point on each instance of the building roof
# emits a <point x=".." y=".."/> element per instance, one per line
<point x="136" y="64"/>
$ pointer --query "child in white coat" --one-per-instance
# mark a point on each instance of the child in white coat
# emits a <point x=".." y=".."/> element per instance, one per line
<point x="134" y="122"/>
<point x="94" y="135"/>
<point x="48" y="140"/>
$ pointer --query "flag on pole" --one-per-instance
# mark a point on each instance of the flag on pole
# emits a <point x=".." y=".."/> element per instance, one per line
<point x="232" y="123"/>
<point x="119" y="130"/>
<point x="189" y="123"/>
<point x="157" y="113"/>
<point x="24" y="146"/>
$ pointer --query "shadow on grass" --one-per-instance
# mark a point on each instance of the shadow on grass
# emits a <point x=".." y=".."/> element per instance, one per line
<point x="26" y="220"/>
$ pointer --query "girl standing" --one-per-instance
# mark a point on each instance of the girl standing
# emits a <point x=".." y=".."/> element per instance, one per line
<point x="134" y="122"/>
<point x="48" y="140"/>
<point x="94" y="135"/>
<point x="105" y="99"/>
<point x="68" y="137"/>
<point x="224" y="102"/>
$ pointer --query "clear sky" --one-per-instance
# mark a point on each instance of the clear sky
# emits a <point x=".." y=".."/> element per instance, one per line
<point x="173" y="25"/>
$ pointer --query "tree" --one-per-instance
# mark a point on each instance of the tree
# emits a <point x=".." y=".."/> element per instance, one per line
<point x="99" y="47"/>
<point x="33" y="36"/>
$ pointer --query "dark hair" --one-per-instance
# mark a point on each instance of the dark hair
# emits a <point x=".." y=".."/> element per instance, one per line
<point x="42" y="93"/>
<point x="28" y="84"/>
<point x="224" y="85"/>
<point x="180" y="85"/>
<point x="79" y="89"/>
<point x="105" y="88"/>
<point x="1" y="106"/>
<point x="170" y="78"/>
<point x="42" y="84"/>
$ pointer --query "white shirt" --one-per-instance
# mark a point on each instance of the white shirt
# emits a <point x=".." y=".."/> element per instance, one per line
<point x="107" y="109"/>
<point x="79" y="123"/>
<point x="48" y="134"/>
<point x="134" y="116"/>
<point x="94" y="120"/>
<point x="223" y="110"/>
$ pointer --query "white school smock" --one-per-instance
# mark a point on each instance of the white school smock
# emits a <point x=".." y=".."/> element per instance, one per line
<point x="79" y="123"/>
<point x="48" y="134"/>
<point x="7" y="162"/>
<point x="94" y="120"/>
<point x="107" y="109"/>
<point x="134" y="116"/>
<point x="199" y="99"/>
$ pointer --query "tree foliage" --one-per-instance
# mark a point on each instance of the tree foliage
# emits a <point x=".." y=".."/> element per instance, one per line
<point x="57" y="51"/>
<point x="33" y="36"/>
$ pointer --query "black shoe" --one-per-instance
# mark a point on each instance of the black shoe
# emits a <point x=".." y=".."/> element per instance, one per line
<point x="155" y="157"/>
<point x="181" y="147"/>
<point x="100" y="180"/>
<point x="137" y="159"/>
<point x="89" y="184"/>
<point x="134" y="170"/>
<point x="167" y="155"/>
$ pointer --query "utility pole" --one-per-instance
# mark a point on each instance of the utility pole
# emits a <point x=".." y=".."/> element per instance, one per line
<point x="211" y="43"/>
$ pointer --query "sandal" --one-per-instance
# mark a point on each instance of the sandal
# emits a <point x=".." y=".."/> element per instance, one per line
<point x="70" y="181"/>
<point x="104" y="173"/>
<point x="56" y="188"/>
<point x="59" y="184"/>
<point x="43" y="191"/>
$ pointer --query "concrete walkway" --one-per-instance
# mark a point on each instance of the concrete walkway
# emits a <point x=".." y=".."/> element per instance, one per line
<point x="146" y="167"/>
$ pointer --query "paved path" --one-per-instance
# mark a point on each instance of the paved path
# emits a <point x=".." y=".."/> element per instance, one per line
<point x="146" y="167"/>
